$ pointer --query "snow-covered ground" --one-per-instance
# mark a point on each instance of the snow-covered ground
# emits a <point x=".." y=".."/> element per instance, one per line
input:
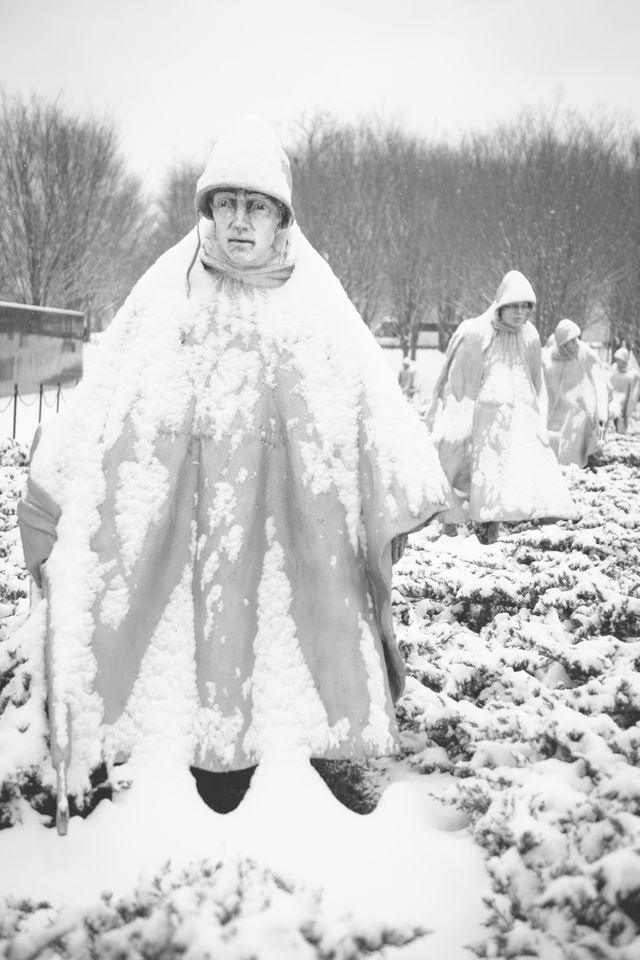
<point x="512" y="820"/>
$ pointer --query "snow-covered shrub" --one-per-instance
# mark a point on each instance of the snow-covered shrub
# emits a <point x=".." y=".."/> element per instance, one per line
<point x="230" y="911"/>
<point x="21" y="687"/>
<point x="13" y="579"/>
<point x="524" y="684"/>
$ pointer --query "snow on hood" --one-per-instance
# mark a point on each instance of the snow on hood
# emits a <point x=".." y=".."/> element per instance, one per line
<point x="514" y="288"/>
<point x="565" y="331"/>
<point x="249" y="155"/>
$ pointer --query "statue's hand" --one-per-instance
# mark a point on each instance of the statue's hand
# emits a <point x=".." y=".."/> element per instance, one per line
<point x="398" y="545"/>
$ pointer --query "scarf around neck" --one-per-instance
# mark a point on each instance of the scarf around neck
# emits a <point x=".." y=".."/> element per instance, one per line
<point x="499" y="324"/>
<point x="265" y="276"/>
<point x="562" y="353"/>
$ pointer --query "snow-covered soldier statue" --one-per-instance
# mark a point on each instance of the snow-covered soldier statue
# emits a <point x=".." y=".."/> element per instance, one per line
<point x="624" y="389"/>
<point x="577" y="396"/>
<point x="488" y="417"/>
<point x="220" y="506"/>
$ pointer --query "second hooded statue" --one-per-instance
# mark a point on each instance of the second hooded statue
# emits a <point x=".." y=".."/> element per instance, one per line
<point x="488" y="417"/>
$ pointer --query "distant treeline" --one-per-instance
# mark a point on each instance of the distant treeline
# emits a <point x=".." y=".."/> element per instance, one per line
<point x="416" y="230"/>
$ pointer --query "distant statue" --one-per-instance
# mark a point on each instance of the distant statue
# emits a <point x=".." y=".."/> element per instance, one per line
<point x="488" y="418"/>
<point x="407" y="378"/>
<point x="577" y="390"/>
<point x="624" y="389"/>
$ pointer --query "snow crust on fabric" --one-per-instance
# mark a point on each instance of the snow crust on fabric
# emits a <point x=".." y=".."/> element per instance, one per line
<point x="578" y="401"/>
<point x="515" y="475"/>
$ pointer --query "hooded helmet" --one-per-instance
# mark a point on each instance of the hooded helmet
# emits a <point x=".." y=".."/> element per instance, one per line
<point x="514" y="288"/>
<point x="565" y="331"/>
<point x="247" y="155"/>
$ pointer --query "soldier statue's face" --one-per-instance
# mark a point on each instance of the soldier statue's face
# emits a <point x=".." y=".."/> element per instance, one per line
<point x="246" y="224"/>
<point x="516" y="313"/>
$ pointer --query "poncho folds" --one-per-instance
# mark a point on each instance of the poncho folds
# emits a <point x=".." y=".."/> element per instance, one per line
<point x="490" y="431"/>
<point x="230" y="478"/>
<point x="578" y="401"/>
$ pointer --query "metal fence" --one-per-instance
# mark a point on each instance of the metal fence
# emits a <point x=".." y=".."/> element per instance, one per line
<point x="17" y="400"/>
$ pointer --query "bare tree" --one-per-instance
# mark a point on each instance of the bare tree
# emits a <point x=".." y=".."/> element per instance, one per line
<point x="175" y="213"/>
<point x="425" y="262"/>
<point x="73" y="228"/>
<point x="623" y="305"/>
<point x="413" y="229"/>
<point x="339" y="181"/>
<point x="546" y="202"/>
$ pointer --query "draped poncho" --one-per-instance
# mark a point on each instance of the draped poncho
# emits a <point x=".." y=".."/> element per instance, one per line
<point x="624" y="395"/>
<point x="229" y="479"/>
<point x="577" y="391"/>
<point x="490" y="431"/>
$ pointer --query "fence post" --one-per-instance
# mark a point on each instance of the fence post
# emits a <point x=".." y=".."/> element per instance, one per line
<point x="58" y="398"/>
<point x="15" y="409"/>
<point x="40" y="405"/>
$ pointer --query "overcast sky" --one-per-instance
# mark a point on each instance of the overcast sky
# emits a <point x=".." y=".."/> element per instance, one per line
<point x="171" y="73"/>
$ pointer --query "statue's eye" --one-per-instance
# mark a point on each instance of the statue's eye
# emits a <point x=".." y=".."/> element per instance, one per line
<point x="260" y="206"/>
